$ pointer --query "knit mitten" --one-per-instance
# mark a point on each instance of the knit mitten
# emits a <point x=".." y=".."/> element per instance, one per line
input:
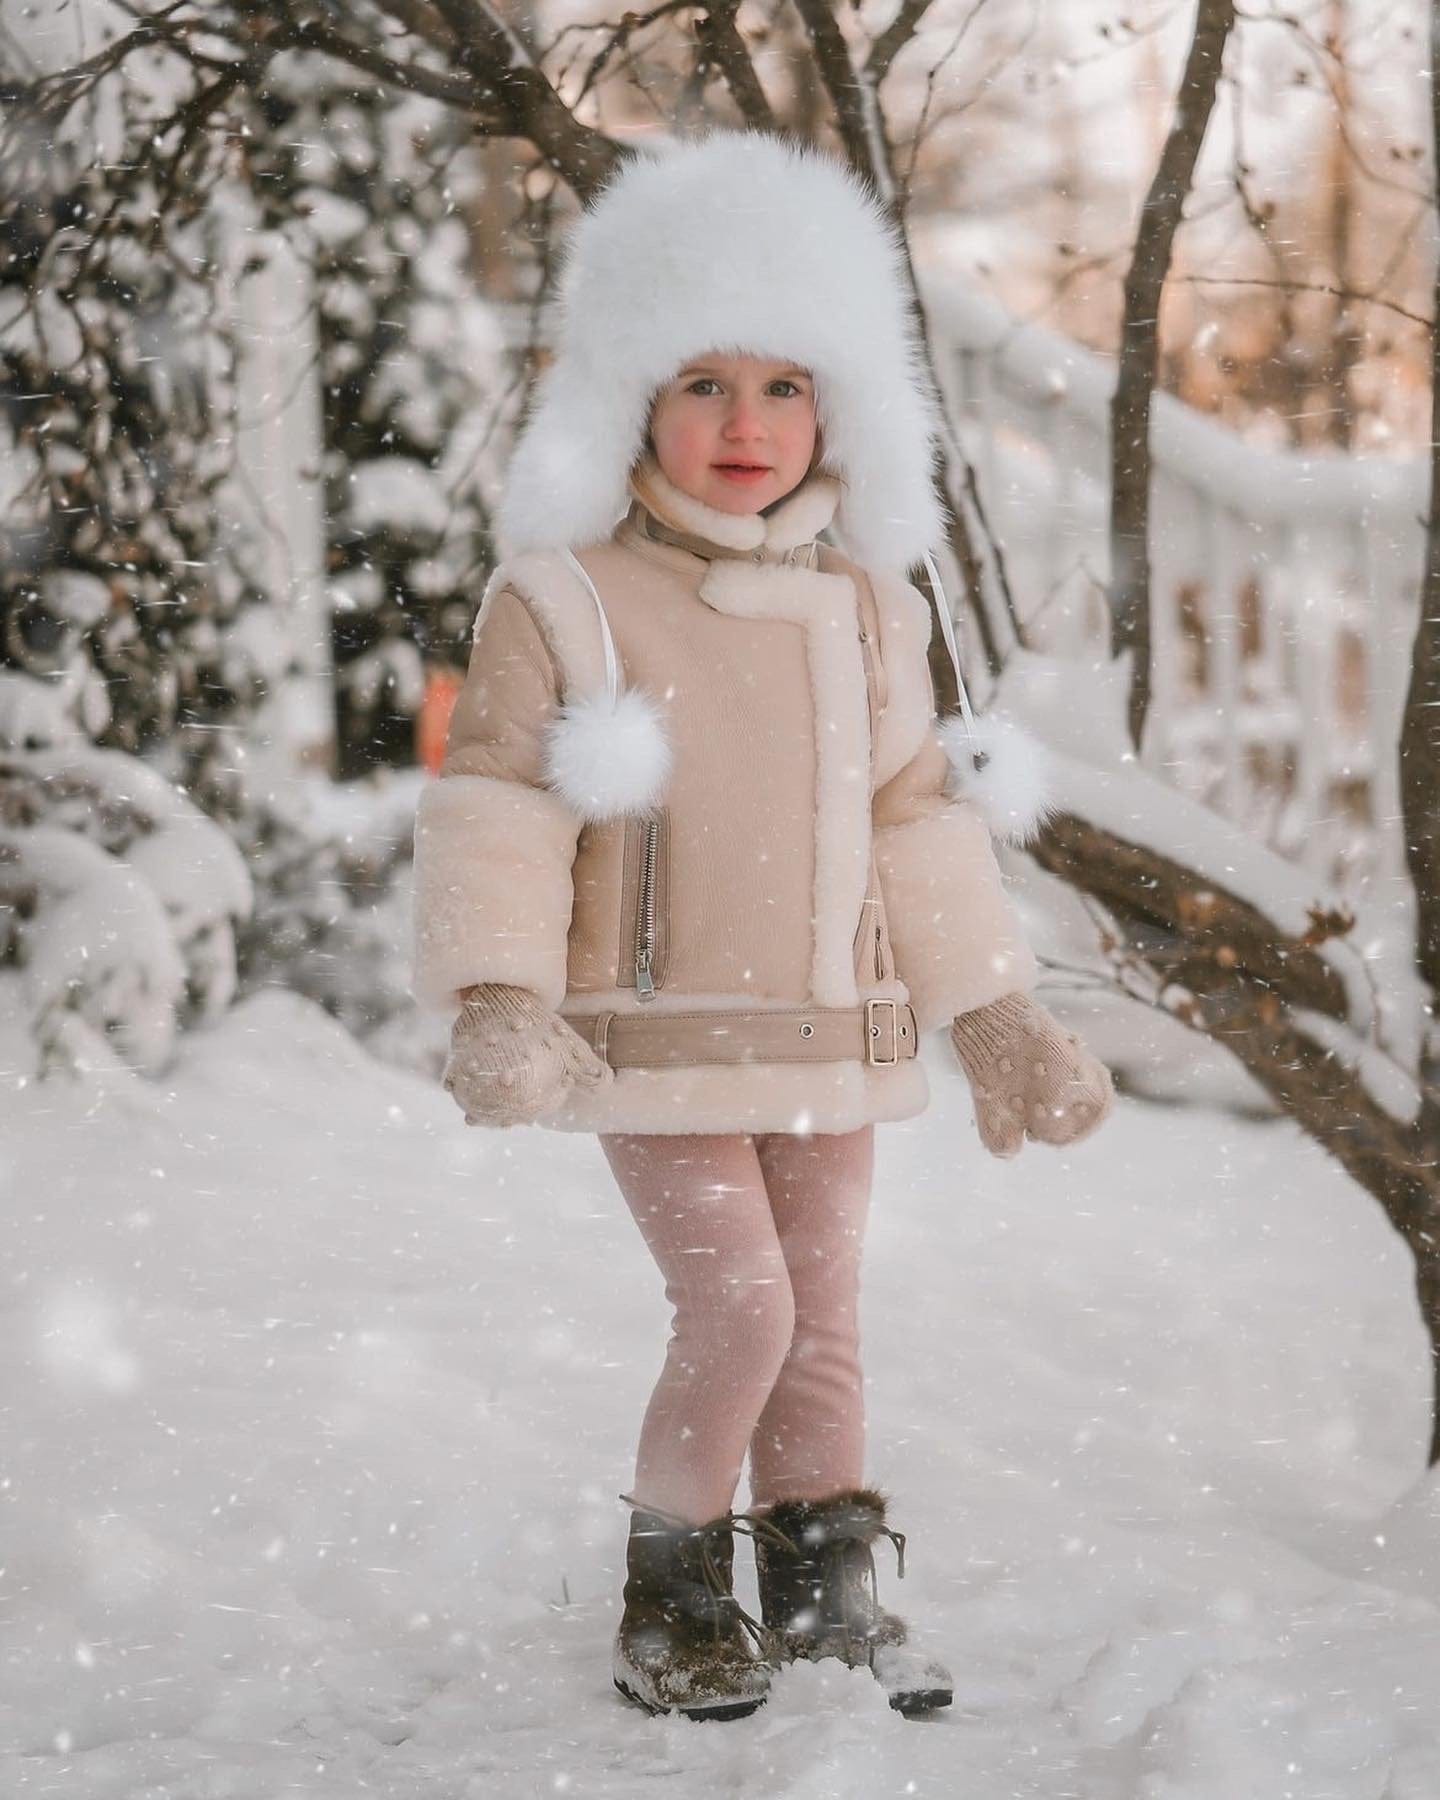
<point x="1030" y="1077"/>
<point x="511" y="1058"/>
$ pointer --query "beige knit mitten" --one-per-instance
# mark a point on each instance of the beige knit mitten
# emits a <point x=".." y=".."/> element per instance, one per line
<point x="511" y="1058"/>
<point x="1030" y="1077"/>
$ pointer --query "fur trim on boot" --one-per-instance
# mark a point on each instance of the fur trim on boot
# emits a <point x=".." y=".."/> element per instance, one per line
<point x="681" y="1644"/>
<point x="821" y="1597"/>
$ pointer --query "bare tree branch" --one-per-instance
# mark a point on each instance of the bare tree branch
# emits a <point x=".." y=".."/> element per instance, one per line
<point x="497" y="60"/>
<point x="837" y="73"/>
<point x="1307" y="287"/>
<point x="617" y="41"/>
<point x="421" y="19"/>
<point x="722" y="45"/>
<point x="896" y="35"/>
<point x="53" y="95"/>
<point x="192" y="120"/>
<point x="497" y="85"/>
<point x="414" y="78"/>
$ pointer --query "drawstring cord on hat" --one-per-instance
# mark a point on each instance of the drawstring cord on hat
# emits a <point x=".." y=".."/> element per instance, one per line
<point x="947" y="626"/>
<point x="612" y="666"/>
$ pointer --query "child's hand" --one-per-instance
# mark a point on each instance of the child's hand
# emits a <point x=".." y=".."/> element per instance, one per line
<point x="511" y="1058"/>
<point x="1030" y="1077"/>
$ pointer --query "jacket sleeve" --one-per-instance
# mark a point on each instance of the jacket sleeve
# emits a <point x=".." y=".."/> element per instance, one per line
<point x="956" y="936"/>
<point x="494" y="847"/>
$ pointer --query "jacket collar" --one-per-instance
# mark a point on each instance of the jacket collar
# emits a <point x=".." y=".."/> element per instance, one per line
<point x="661" y="511"/>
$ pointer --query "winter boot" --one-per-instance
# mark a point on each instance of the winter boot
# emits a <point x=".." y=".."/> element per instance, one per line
<point x="821" y="1596"/>
<point x="681" y="1642"/>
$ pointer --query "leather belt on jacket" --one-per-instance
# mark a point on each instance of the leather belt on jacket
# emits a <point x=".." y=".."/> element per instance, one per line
<point x="877" y="1032"/>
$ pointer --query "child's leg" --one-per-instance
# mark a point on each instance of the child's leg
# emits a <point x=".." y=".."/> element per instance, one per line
<point x="810" y="1440"/>
<point x="701" y="1203"/>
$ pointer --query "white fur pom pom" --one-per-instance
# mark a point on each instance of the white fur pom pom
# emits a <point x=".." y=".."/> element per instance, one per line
<point x="1002" y="769"/>
<point x="604" y="762"/>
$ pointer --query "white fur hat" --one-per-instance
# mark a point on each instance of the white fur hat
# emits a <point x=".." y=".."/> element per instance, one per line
<point x="737" y="242"/>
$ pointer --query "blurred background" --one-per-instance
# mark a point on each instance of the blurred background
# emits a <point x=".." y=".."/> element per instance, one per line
<point x="273" y="287"/>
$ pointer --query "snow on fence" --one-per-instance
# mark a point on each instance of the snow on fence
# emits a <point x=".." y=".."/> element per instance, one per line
<point x="1285" y="587"/>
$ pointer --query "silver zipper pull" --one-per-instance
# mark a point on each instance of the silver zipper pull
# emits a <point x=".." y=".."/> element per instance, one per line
<point x="644" y="986"/>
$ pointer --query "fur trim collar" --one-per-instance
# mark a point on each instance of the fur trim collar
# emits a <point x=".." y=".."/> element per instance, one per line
<point x="797" y="519"/>
<point x="736" y="242"/>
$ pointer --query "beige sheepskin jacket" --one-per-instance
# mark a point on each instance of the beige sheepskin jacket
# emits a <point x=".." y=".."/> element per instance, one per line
<point x="803" y="849"/>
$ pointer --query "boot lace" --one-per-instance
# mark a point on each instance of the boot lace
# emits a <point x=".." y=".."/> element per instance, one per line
<point x="722" y="1605"/>
<point x="836" y="1555"/>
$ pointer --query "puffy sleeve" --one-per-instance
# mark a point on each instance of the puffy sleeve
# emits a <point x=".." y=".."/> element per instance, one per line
<point x="956" y="935"/>
<point x="494" y="846"/>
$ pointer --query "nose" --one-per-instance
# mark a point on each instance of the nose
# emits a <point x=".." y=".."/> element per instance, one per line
<point x="743" y="420"/>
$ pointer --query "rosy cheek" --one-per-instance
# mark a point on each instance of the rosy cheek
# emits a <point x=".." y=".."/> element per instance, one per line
<point x="692" y="440"/>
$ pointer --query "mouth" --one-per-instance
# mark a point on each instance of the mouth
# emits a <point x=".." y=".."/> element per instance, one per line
<point x="741" y="471"/>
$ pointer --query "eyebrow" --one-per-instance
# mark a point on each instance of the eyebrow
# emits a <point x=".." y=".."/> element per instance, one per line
<point x="707" y="369"/>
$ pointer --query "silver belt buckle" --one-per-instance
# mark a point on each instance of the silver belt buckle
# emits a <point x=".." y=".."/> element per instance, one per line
<point x="873" y="1031"/>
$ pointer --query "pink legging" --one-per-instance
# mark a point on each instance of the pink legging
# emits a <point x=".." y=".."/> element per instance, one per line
<point x="759" y="1240"/>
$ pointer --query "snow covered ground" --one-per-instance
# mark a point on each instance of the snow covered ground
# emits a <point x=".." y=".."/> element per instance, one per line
<point x="317" y="1406"/>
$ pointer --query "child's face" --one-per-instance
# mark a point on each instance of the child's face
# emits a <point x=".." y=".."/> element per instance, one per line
<point x="736" y="432"/>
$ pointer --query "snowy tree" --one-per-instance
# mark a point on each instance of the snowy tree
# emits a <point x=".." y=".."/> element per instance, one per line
<point x="136" y="613"/>
<point x="374" y="194"/>
<point x="123" y="621"/>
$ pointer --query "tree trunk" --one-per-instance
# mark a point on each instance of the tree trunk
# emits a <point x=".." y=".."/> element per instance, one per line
<point x="1420" y="730"/>
<point x="1139" y="349"/>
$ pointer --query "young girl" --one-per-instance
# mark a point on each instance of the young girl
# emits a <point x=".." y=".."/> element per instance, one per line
<point x="702" y="864"/>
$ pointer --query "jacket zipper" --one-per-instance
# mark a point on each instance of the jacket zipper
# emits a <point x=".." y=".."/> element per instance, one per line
<point x="877" y="937"/>
<point x="645" y="918"/>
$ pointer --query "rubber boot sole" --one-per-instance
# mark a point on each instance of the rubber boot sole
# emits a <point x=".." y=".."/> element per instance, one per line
<point x="914" y="1682"/>
<point x="911" y="1699"/>
<point x="911" y="1706"/>
<point x="722" y="1709"/>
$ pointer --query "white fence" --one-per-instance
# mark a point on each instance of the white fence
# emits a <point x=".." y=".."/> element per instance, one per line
<point x="1285" y="587"/>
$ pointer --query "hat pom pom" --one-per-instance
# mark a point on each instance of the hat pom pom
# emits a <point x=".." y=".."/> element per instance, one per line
<point x="1002" y="770"/>
<point x="605" y="760"/>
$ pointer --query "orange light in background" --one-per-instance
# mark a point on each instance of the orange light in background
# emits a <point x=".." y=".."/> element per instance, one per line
<point x="432" y="724"/>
